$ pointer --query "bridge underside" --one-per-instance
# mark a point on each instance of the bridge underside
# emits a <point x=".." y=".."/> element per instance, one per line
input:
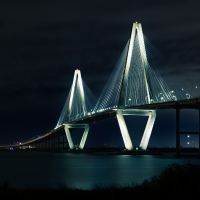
<point x="177" y="105"/>
<point x="142" y="110"/>
<point x="182" y="104"/>
<point x="135" y="87"/>
<point x="118" y="113"/>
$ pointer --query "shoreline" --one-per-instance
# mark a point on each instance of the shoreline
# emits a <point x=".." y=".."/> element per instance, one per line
<point x="186" y="152"/>
<point x="183" y="180"/>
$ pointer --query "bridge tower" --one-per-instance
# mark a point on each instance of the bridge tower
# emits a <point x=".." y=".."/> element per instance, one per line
<point x="77" y="82"/>
<point x="136" y="29"/>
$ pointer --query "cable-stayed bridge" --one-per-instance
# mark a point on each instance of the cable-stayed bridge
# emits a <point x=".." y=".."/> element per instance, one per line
<point x="138" y="85"/>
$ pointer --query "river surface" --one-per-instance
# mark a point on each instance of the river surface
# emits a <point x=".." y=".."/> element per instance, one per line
<point x="40" y="169"/>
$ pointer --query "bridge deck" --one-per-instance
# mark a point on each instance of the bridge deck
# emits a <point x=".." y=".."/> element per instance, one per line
<point x="181" y="104"/>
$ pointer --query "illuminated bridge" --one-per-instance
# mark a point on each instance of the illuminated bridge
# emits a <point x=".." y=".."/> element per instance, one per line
<point x="138" y="85"/>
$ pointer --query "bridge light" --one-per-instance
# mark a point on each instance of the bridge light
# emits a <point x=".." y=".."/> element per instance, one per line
<point x="129" y="99"/>
<point x="182" y="88"/>
<point x="196" y="87"/>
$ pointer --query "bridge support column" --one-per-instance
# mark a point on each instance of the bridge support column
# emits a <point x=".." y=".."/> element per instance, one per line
<point x="69" y="138"/>
<point x="124" y="131"/>
<point x="58" y="142"/>
<point x="178" y="131"/>
<point x="84" y="137"/>
<point x="147" y="132"/>
<point x="63" y="142"/>
<point x="199" y="131"/>
<point x="53" y="142"/>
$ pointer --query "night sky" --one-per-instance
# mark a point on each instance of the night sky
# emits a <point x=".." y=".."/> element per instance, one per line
<point x="43" y="42"/>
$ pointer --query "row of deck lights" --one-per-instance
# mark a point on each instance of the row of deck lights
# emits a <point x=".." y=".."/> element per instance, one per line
<point x="103" y="109"/>
<point x="171" y="93"/>
<point x="195" y="87"/>
<point x="162" y="98"/>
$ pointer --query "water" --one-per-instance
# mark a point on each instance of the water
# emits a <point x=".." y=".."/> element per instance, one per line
<point x="39" y="169"/>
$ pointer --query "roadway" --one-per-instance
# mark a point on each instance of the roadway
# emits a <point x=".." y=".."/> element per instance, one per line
<point x="94" y="118"/>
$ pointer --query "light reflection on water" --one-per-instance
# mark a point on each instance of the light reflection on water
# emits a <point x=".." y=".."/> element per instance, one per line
<point x="79" y="170"/>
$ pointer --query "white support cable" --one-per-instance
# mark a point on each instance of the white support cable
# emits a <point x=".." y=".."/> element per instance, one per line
<point x="82" y="92"/>
<point x="140" y="83"/>
<point x="143" y="56"/>
<point x="127" y="67"/>
<point x="110" y="94"/>
<point x="71" y="96"/>
<point x="77" y="85"/>
<point x="175" y="83"/>
<point x="62" y="117"/>
<point x="90" y="99"/>
<point x="136" y="33"/>
<point x="76" y="98"/>
<point x="135" y="84"/>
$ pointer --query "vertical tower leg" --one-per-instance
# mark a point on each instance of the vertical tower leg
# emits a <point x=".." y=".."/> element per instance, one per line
<point x="58" y="142"/>
<point x="69" y="138"/>
<point x="53" y="142"/>
<point x="147" y="133"/>
<point x="84" y="137"/>
<point x="199" y="131"/>
<point x="124" y="131"/>
<point x="63" y="142"/>
<point x="178" y="131"/>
